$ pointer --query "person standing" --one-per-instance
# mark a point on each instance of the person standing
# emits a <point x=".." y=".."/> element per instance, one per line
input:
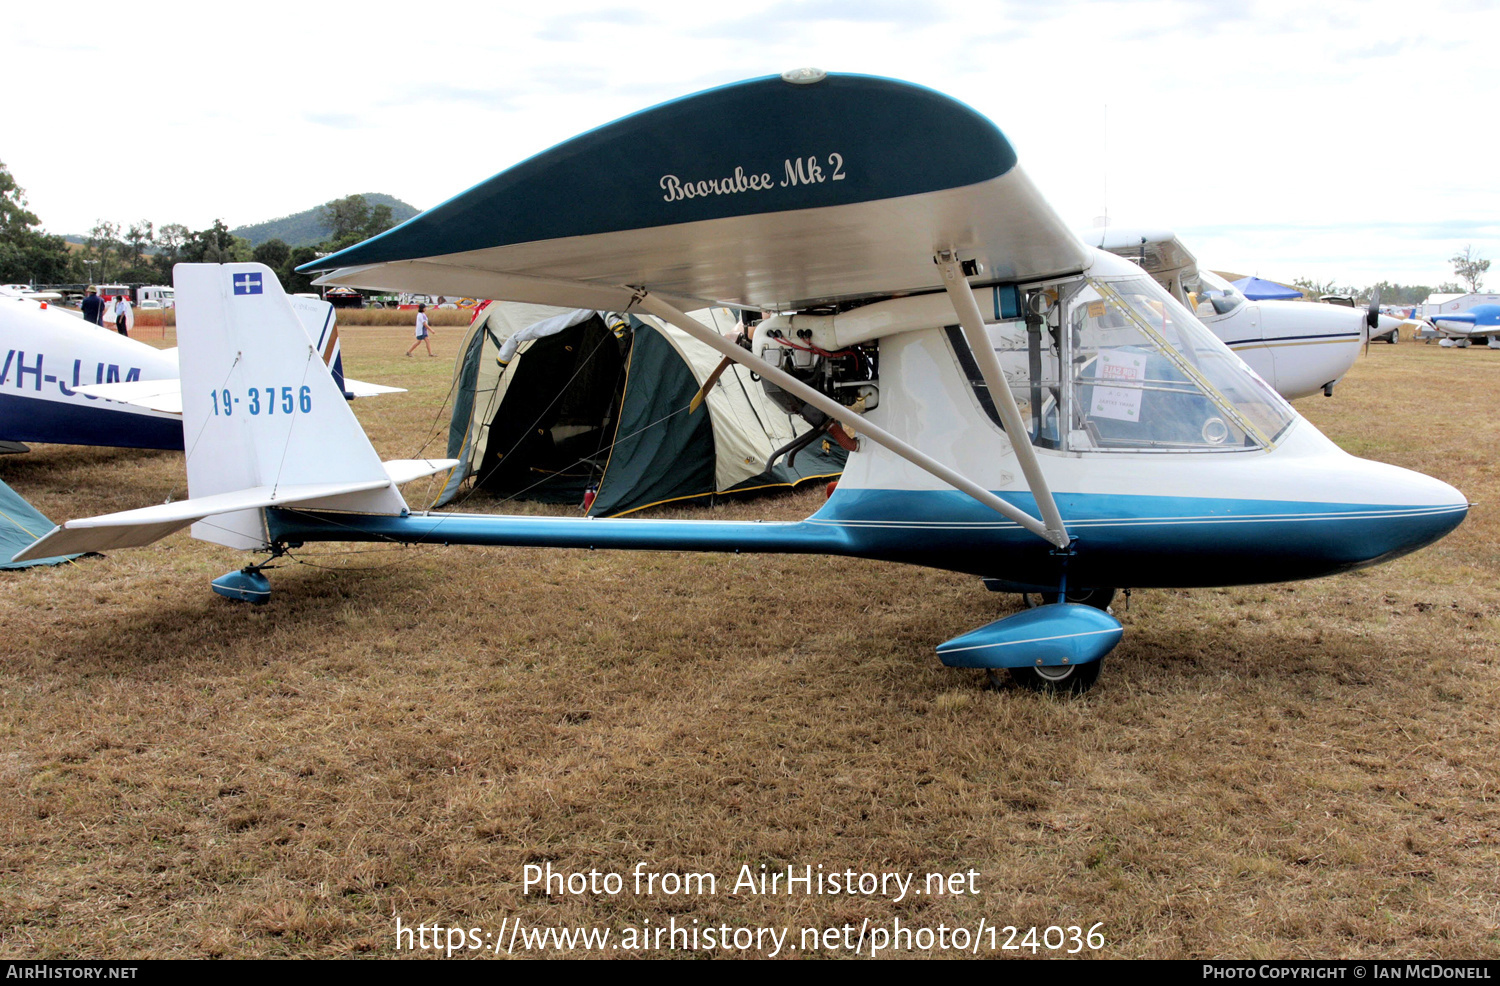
<point x="122" y="315"/>
<point x="424" y="331"/>
<point x="93" y="308"/>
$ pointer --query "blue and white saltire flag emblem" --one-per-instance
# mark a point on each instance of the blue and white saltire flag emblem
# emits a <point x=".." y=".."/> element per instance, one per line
<point x="247" y="284"/>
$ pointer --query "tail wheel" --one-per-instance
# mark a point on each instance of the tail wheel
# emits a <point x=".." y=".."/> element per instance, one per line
<point x="1068" y="679"/>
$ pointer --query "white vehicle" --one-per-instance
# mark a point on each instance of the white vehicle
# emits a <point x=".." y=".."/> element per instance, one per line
<point x="154" y="296"/>
<point x="1298" y="348"/>
<point x="408" y="300"/>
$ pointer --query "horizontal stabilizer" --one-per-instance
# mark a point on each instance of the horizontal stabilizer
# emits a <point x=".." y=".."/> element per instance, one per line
<point x="134" y="528"/>
<point x="403" y="471"/>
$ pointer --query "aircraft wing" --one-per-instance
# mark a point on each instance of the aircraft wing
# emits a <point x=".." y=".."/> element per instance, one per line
<point x="1158" y="251"/>
<point x="360" y="388"/>
<point x="767" y="194"/>
<point x="158" y="395"/>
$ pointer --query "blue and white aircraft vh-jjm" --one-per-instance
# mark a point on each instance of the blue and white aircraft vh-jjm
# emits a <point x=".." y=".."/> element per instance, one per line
<point x="48" y="357"/>
<point x="1026" y="408"/>
<point x="65" y="381"/>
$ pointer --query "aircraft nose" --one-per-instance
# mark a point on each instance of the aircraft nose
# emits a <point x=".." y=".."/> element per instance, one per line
<point x="1407" y="510"/>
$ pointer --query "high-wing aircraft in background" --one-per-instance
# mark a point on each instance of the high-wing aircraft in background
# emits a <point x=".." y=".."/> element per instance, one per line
<point x="65" y="381"/>
<point x="47" y="355"/>
<point x="1298" y="348"/>
<point x="1026" y="408"/>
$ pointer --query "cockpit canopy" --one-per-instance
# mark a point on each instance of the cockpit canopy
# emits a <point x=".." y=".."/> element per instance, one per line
<point x="1110" y="362"/>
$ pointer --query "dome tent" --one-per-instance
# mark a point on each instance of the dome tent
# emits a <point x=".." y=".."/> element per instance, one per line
<point x="597" y="399"/>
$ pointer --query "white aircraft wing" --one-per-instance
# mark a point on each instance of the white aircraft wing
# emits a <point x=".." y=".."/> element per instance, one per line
<point x="1158" y="251"/>
<point x="158" y="395"/>
<point x="360" y="388"/>
<point x="848" y="188"/>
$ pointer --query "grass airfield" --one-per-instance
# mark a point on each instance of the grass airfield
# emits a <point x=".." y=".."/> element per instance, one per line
<point x="1299" y="770"/>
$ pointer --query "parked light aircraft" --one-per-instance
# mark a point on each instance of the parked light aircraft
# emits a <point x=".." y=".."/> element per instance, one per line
<point x="48" y="355"/>
<point x="27" y="291"/>
<point x="1298" y="348"/>
<point x="1479" y="322"/>
<point x="65" y="381"/>
<point x="1027" y="409"/>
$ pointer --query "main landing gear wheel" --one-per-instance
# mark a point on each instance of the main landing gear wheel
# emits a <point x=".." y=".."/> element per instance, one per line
<point x="1068" y="679"/>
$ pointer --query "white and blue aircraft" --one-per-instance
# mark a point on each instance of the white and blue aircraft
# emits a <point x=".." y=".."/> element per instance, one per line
<point x="1298" y="348"/>
<point x="65" y="381"/>
<point x="49" y="357"/>
<point x="1026" y="408"/>
<point x="1479" y="322"/>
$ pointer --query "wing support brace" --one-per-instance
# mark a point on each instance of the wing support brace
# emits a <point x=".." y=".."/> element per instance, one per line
<point x="1005" y="402"/>
<point x="851" y="419"/>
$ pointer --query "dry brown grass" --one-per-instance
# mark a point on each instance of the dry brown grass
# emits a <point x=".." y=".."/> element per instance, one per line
<point x="151" y="322"/>
<point x="437" y="317"/>
<point x="1291" y="770"/>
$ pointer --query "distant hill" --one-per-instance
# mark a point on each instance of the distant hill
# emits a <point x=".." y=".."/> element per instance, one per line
<point x="304" y="229"/>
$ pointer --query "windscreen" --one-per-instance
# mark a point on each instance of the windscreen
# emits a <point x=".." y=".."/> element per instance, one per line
<point x="1145" y="374"/>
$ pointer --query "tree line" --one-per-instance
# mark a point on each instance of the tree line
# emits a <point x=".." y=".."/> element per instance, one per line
<point x="1468" y="265"/>
<point x="144" y="253"/>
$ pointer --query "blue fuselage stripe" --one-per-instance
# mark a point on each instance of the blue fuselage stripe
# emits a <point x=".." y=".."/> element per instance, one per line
<point x="1138" y="541"/>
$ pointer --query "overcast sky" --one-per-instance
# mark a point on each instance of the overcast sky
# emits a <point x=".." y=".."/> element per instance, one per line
<point x="1351" y="141"/>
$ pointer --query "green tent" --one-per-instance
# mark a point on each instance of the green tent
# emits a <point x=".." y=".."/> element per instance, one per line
<point x="597" y="399"/>
<point x="21" y="524"/>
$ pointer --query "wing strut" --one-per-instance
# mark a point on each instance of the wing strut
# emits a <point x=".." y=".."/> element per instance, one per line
<point x="1005" y="402"/>
<point x="1057" y="536"/>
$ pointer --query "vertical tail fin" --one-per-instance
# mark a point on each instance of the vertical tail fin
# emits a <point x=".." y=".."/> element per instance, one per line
<point x="260" y="408"/>
<point x="320" y="319"/>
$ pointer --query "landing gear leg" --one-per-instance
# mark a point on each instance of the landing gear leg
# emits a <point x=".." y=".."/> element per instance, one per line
<point x="1097" y="598"/>
<point x="248" y="585"/>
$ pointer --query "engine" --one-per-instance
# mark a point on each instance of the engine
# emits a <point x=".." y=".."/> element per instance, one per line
<point x="796" y="344"/>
